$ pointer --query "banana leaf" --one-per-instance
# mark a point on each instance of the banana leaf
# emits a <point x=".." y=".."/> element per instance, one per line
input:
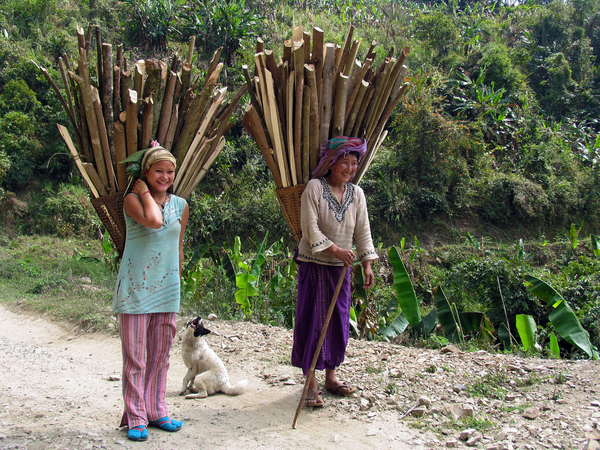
<point x="404" y="289"/>
<point x="445" y="316"/>
<point x="504" y="336"/>
<point x="429" y="322"/>
<point x="526" y="327"/>
<point x="396" y="328"/>
<point x="562" y="317"/>
<point x="595" y="244"/>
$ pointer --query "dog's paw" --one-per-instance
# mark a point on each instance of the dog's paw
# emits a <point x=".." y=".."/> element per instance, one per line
<point x="202" y="394"/>
<point x="182" y="392"/>
<point x="194" y="390"/>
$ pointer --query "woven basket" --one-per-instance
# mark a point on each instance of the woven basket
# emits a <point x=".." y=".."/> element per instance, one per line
<point x="110" y="211"/>
<point x="289" y="199"/>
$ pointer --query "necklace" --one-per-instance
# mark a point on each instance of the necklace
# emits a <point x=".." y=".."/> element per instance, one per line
<point x="162" y="205"/>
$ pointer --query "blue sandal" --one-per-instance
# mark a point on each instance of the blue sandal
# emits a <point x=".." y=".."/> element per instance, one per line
<point x="166" y="424"/>
<point x="139" y="433"/>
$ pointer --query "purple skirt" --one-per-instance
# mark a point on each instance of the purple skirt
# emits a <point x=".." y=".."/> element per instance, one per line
<point x="316" y="286"/>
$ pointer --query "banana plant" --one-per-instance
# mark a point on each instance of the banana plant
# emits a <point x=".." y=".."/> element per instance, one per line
<point x="408" y="302"/>
<point x="245" y="274"/>
<point x="527" y="329"/>
<point x="561" y="316"/>
<point x="458" y="325"/>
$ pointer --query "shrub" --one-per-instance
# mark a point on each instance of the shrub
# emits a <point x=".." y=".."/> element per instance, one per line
<point x="64" y="212"/>
<point x="474" y="285"/>
<point x="503" y="198"/>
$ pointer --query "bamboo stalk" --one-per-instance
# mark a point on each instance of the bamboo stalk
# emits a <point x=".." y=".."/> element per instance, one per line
<point x="67" y="138"/>
<point x="305" y="152"/>
<point x="252" y="123"/>
<point x="80" y="111"/>
<point x="314" y="127"/>
<point x="63" y="74"/>
<point x="172" y="127"/>
<point x="349" y="125"/>
<point x="154" y="87"/>
<point x="131" y="125"/>
<point x="193" y="115"/>
<point x="107" y="93"/>
<point x="318" y="59"/>
<point x="299" y="76"/>
<point x="379" y="100"/>
<point x="86" y="92"/>
<point x="99" y="64"/>
<point x="147" y="106"/>
<point x="340" y="105"/>
<point x="289" y="107"/>
<point x="358" y="130"/>
<point x="120" y="154"/>
<point x="341" y="64"/>
<point x="104" y="140"/>
<point x="327" y="92"/>
<point x="226" y="115"/>
<point x="351" y="58"/>
<point x="126" y="84"/>
<point x="214" y="63"/>
<point x="167" y="109"/>
<point x="139" y="73"/>
<point x="93" y="175"/>
<point x="60" y="97"/>
<point x="361" y="76"/>
<point x="204" y="169"/>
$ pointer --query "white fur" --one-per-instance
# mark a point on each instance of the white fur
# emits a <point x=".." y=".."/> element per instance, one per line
<point x="206" y="373"/>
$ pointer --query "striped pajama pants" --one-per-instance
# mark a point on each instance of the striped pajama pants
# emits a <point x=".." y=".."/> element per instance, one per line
<point x="146" y="341"/>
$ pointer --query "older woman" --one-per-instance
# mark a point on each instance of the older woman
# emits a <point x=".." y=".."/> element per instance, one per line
<point x="333" y="217"/>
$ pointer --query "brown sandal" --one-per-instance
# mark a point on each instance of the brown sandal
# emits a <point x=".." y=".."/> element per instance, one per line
<point x="316" y="402"/>
<point x="343" y="389"/>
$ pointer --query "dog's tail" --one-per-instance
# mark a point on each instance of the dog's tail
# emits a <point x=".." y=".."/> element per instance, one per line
<point x="235" y="390"/>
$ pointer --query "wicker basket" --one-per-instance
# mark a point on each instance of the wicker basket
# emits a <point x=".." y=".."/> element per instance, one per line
<point x="110" y="211"/>
<point x="289" y="199"/>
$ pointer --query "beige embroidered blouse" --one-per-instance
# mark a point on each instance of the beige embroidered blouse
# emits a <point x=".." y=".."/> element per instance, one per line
<point x="325" y="221"/>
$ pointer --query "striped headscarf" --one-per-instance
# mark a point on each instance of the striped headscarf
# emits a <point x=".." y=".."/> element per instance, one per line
<point x="155" y="154"/>
<point x="336" y="147"/>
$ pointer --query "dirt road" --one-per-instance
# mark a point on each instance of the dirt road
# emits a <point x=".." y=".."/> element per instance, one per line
<point x="60" y="389"/>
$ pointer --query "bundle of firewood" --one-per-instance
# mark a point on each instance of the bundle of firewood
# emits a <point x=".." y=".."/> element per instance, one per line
<point x="313" y="95"/>
<point x="131" y="105"/>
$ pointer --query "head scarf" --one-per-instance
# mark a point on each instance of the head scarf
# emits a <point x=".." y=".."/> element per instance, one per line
<point x="336" y="147"/>
<point x="155" y="154"/>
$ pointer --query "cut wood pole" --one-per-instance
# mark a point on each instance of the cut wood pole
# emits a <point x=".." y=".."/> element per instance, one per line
<point x="299" y="79"/>
<point x="65" y="134"/>
<point x="107" y="95"/>
<point x="147" y="122"/>
<point x="327" y="92"/>
<point x="311" y="371"/>
<point x="131" y="123"/>
<point x="104" y="140"/>
<point x="120" y="155"/>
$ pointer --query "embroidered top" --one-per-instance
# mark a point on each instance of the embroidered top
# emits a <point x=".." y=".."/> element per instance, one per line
<point x="325" y="221"/>
<point x="149" y="278"/>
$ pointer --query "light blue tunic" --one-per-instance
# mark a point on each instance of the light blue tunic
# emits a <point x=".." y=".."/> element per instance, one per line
<point x="149" y="279"/>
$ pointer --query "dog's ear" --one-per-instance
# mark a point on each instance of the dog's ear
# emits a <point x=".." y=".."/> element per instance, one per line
<point x="205" y="331"/>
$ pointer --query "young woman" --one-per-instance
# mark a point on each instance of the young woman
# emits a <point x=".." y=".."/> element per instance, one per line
<point x="147" y="294"/>
<point x="333" y="217"/>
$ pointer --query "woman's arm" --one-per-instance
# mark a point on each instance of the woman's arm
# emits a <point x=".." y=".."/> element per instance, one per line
<point x="143" y="209"/>
<point x="184" y="220"/>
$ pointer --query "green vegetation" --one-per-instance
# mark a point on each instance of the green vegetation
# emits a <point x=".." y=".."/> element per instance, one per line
<point x="490" y="170"/>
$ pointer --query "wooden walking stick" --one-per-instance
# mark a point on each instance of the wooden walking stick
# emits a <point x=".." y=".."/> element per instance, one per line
<point x="311" y="371"/>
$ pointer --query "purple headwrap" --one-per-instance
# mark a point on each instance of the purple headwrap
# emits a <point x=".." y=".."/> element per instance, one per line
<point x="331" y="151"/>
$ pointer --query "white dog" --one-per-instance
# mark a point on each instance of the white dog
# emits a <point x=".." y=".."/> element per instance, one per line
<point x="206" y="373"/>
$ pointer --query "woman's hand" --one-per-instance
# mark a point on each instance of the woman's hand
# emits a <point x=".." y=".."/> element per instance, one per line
<point x="344" y="255"/>
<point x="139" y="187"/>
<point x="368" y="273"/>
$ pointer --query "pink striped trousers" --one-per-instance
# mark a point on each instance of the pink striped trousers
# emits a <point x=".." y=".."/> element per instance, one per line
<point x="146" y="341"/>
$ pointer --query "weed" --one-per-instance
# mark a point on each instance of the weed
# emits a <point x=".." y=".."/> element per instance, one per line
<point x="490" y="386"/>
<point x="391" y="388"/>
<point x="531" y="380"/>
<point x="372" y="369"/>
<point x="431" y="369"/>
<point x="561" y="378"/>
